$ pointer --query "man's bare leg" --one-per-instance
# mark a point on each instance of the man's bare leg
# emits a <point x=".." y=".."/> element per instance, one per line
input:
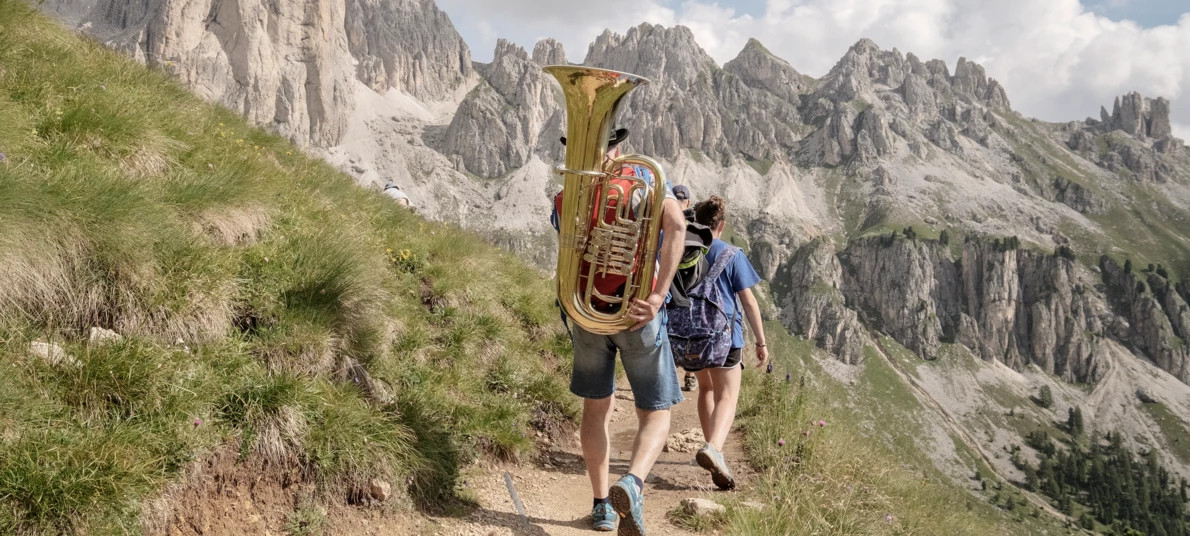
<point x="651" y="432"/>
<point x="597" y="416"/>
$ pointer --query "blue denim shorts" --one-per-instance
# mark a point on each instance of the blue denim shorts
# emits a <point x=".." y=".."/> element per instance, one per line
<point x="647" y="360"/>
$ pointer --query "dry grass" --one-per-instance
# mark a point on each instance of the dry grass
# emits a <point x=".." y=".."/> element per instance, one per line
<point x="233" y="226"/>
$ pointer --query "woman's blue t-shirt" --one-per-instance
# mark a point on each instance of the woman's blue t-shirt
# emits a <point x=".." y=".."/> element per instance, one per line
<point x="738" y="276"/>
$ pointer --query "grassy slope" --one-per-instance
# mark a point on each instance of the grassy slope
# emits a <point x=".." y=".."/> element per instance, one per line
<point x="861" y="473"/>
<point x="245" y="277"/>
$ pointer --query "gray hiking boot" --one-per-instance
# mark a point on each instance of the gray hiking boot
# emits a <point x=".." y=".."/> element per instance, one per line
<point x="712" y="460"/>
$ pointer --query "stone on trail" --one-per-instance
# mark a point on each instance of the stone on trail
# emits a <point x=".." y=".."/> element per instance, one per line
<point x="688" y="441"/>
<point x="702" y="507"/>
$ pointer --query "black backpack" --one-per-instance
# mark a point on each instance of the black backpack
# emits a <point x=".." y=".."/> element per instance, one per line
<point x="693" y="266"/>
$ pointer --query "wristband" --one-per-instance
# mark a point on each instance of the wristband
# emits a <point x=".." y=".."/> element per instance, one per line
<point x="761" y="345"/>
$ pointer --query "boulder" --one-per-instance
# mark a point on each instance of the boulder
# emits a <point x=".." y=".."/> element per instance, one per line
<point x="702" y="507"/>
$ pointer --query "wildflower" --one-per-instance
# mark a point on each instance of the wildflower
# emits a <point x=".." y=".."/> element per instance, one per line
<point x="780" y="442"/>
<point x="787" y="377"/>
<point x="3" y="159"/>
<point x="266" y="259"/>
<point x="169" y="63"/>
<point x="220" y="124"/>
<point x="288" y="152"/>
<point x="388" y="250"/>
<point x="197" y="423"/>
<point x="888" y="517"/>
<point x="821" y="423"/>
<point x="240" y="141"/>
<point x="103" y="86"/>
<point x="769" y="369"/>
<point x="806" y="433"/>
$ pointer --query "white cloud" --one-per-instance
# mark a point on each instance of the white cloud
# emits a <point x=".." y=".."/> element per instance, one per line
<point x="1057" y="59"/>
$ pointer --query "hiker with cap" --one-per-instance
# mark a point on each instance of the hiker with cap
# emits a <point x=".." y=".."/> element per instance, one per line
<point x="645" y="353"/>
<point x="682" y="194"/>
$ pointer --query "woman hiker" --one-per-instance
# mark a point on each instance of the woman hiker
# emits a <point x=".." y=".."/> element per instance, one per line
<point x="719" y="373"/>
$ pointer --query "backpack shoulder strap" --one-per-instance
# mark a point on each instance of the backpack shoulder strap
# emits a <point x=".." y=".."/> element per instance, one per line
<point x="721" y="263"/>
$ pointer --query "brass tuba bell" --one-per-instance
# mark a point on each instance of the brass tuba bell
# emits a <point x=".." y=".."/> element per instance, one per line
<point x="596" y="240"/>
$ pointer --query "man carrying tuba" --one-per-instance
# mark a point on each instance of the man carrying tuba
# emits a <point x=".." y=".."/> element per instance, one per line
<point x="638" y="331"/>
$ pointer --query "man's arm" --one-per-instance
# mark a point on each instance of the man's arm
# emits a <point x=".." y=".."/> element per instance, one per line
<point x="752" y="313"/>
<point x="673" y="224"/>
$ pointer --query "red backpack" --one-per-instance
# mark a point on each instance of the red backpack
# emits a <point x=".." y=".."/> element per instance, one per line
<point x="606" y="284"/>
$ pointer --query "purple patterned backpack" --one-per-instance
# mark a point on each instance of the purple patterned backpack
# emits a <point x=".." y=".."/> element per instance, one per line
<point x="700" y="335"/>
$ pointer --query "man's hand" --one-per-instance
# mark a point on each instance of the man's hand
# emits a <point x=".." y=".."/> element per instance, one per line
<point x="644" y="311"/>
<point x="762" y="356"/>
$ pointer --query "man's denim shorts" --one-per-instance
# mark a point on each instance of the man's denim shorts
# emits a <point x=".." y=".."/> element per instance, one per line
<point x="647" y="360"/>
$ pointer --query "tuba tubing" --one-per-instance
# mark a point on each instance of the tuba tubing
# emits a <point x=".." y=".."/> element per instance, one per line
<point x="590" y="247"/>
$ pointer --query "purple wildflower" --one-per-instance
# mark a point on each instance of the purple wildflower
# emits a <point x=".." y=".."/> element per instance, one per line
<point x="769" y="369"/>
<point x="197" y="423"/>
<point x="821" y="423"/>
<point x="888" y="517"/>
<point x="787" y="376"/>
<point x="780" y="442"/>
<point x="3" y="159"/>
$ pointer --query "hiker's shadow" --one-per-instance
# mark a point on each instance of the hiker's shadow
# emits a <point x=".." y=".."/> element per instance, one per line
<point x="515" y="523"/>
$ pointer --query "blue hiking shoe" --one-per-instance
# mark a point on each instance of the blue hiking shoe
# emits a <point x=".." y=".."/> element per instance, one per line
<point x="603" y="517"/>
<point x="629" y="503"/>
<point x="711" y="459"/>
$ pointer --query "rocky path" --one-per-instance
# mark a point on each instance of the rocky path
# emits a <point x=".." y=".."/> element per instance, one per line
<point x="556" y="493"/>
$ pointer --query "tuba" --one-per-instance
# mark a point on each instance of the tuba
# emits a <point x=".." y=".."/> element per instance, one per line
<point x="591" y="244"/>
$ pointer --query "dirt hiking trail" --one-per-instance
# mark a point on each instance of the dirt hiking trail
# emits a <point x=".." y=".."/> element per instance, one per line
<point x="556" y="493"/>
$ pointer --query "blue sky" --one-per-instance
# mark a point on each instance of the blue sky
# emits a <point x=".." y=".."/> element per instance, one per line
<point x="1059" y="60"/>
<point x="1147" y="13"/>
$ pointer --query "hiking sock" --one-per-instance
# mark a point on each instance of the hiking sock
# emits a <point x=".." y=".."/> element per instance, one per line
<point x="598" y="501"/>
<point x="637" y="479"/>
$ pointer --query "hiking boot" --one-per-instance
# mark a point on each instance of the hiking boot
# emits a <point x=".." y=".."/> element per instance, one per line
<point x="629" y="503"/>
<point x="603" y="517"/>
<point x="691" y="383"/>
<point x="712" y="460"/>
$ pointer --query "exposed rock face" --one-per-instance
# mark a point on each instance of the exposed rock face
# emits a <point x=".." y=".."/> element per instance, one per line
<point x="759" y="68"/>
<point x="501" y="121"/>
<point x="692" y="104"/>
<point x="549" y="52"/>
<point x="909" y="288"/>
<point x="1075" y="196"/>
<point x="1029" y="308"/>
<point x="1136" y="138"/>
<point x="285" y="66"/>
<point x="1156" y="314"/>
<point x="1005" y="304"/>
<point x="807" y="289"/>
<point x="408" y="45"/>
<point x="1139" y="116"/>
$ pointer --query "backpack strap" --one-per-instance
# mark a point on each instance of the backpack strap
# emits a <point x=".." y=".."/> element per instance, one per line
<point x="721" y="262"/>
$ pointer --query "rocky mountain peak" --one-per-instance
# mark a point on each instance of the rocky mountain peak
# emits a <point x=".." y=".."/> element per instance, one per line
<point x="549" y="52"/>
<point x="498" y="125"/>
<point x="657" y="52"/>
<point x="1139" y="116"/>
<point x="409" y="45"/>
<point x="757" y="67"/>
